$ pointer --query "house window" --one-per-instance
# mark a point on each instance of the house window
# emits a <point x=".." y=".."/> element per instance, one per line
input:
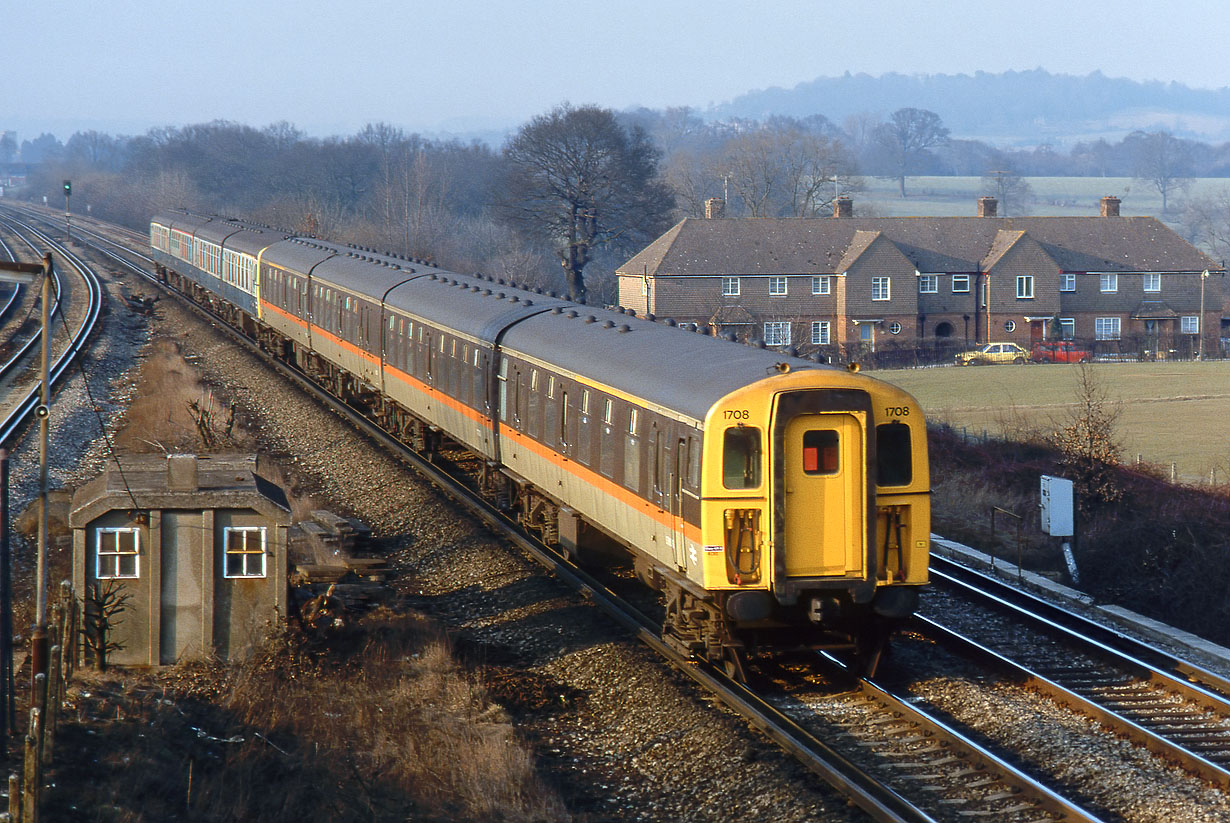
<point x="1025" y="286"/>
<point x="1189" y="324"/>
<point x="1109" y="283"/>
<point x="820" y="332"/>
<point x="1153" y="281"/>
<point x="244" y="551"/>
<point x="928" y="283"/>
<point x="1067" y="328"/>
<point x="960" y="283"/>
<point x="117" y="554"/>
<point x="777" y="286"/>
<point x="880" y="289"/>
<point x="1106" y="328"/>
<point x="1067" y="281"/>
<point x="730" y="287"/>
<point x="894" y="327"/>
<point x="1010" y="326"/>
<point x="822" y="285"/>
<point x="777" y="333"/>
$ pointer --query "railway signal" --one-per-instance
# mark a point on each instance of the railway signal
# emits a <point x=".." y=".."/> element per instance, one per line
<point x="68" y="227"/>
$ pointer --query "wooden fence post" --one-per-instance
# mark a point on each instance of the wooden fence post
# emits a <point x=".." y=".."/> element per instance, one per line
<point x="14" y="797"/>
<point x="33" y="780"/>
<point x="55" y="691"/>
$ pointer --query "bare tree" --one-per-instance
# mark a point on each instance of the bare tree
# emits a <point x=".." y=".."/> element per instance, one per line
<point x="906" y="137"/>
<point x="1206" y="223"/>
<point x="576" y="180"/>
<point x="1009" y="188"/>
<point x="1161" y="160"/>
<point x="784" y="169"/>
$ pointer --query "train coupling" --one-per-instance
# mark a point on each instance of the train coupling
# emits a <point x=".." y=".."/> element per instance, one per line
<point x="823" y="609"/>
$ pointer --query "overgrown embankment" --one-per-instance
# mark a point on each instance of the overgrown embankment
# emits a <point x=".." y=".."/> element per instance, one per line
<point x="1147" y="544"/>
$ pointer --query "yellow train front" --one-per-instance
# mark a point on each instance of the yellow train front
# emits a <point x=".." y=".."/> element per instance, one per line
<point x="814" y="516"/>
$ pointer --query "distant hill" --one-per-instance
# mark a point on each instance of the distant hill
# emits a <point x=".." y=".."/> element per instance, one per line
<point x="1010" y="108"/>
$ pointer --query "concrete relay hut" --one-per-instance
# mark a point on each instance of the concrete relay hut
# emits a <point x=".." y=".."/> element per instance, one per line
<point x="198" y="543"/>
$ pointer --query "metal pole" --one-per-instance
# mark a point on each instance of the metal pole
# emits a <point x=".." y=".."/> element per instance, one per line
<point x="1200" y="320"/>
<point x="8" y="706"/>
<point x="38" y="637"/>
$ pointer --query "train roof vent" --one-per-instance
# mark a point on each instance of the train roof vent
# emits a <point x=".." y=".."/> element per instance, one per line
<point x="501" y="295"/>
<point x="609" y="324"/>
<point x="625" y="328"/>
<point x="649" y="316"/>
<point x="529" y="302"/>
<point x="573" y="313"/>
<point x="557" y="310"/>
<point x="487" y="292"/>
<point x="515" y="299"/>
<point x="591" y="319"/>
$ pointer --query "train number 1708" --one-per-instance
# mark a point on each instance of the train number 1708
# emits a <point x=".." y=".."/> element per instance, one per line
<point x="896" y="411"/>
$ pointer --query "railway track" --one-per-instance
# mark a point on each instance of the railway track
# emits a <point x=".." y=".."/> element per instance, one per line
<point x="23" y="395"/>
<point x="1173" y="708"/>
<point x="936" y="773"/>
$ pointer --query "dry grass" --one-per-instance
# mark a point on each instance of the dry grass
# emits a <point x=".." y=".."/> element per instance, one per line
<point x="377" y="724"/>
<point x="161" y="418"/>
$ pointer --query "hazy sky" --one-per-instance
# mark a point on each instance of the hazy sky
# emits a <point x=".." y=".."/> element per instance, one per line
<point x="462" y="65"/>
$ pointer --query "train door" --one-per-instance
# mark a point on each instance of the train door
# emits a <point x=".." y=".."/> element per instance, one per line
<point x="824" y="507"/>
<point x="678" y="467"/>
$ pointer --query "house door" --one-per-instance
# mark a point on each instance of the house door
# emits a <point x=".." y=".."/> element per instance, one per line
<point x="1037" y="331"/>
<point x="825" y="518"/>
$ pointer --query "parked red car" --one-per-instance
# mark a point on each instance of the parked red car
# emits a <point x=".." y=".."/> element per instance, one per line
<point x="1059" y="351"/>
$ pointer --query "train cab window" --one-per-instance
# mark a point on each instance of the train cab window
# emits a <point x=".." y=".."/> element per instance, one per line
<point x="741" y="458"/>
<point x="821" y="452"/>
<point x="894" y="457"/>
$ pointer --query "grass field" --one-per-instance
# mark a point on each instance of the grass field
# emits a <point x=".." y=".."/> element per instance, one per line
<point x="1168" y="412"/>
<point x="1052" y="196"/>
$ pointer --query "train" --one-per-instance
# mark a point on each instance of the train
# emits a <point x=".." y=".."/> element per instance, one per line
<point x="773" y="501"/>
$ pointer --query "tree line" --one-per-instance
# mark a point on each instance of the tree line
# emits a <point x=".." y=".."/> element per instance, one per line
<point x="573" y="192"/>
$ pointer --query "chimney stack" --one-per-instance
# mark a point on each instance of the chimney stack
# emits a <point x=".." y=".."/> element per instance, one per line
<point x="1110" y="206"/>
<point x="182" y="473"/>
<point x="987" y="206"/>
<point x="843" y="206"/>
<point x="715" y="208"/>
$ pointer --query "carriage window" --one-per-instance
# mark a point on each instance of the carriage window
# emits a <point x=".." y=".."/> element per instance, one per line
<point x="741" y="458"/>
<point x="820" y="452"/>
<point x="606" y="411"/>
<point x="633" y="414"/>
<point x="693" y="463"/>
<point x="585" y="401"/>
<point x="894" y="457"/>
<point x="551" y="387"/>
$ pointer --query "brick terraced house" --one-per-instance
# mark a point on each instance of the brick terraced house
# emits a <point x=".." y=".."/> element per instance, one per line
<point x="1124" y="285"/>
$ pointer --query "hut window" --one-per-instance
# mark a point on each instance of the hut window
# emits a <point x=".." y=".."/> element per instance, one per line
<point x="245" y="551"/>
<point x="118" y="554"/>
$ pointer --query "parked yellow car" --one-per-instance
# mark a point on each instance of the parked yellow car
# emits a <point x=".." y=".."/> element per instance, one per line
<point x="993" y="353"/>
